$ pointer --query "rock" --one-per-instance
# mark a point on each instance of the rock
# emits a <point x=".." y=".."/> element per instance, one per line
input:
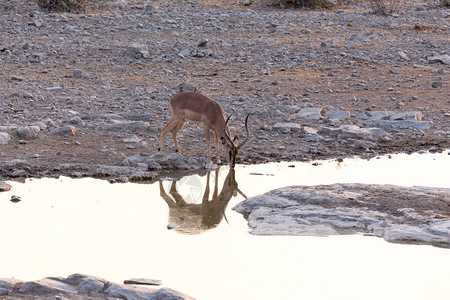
<point x="403" y="55"/>
<point x="4" y="292"/>
<point x="390" y="115"/>
<point x="4" y="187"/>
<point x="28" y="132"/>
<point x="46" y="286"/>
<point x="309" y="114"/>
<point x="18" y="173"/>
<point x="15" y="199"/>
<point x="287" y="127"/>
<point x="355" y="132"/>
<point x="186" y="87"/>
<point x="132" y="161"/>
<point x="90" y="286"/>
<point x="445" y="59"/>
<point x="78" y="286"/>
<point x="174" y="161"/>
<point x="4" y="138"/>
<point x="202" y="43"/>
<point x="77" y="73"/>
<point x="142" y="281"/>
<point x="337" y="114"/>
<point x="67" y="130"/>
<point x="389" y="125"/>
<point x="137" y="52"/>
<point x="134" y="139"/>
<point x="436" y="84"/>
<point x="120" y="4"/>
<point x="128" y="292"/>
<point x="35" y="57"/>
<point x="185" y="53"/>
<point x="392" y="212"/>
<point x="148" y="9"/>
<point x="76" y="120"/>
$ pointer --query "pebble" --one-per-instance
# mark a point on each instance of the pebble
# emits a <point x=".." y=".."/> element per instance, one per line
<point x="4" y="187"/>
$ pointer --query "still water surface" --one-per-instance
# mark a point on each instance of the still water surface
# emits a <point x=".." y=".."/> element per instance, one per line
<point x="119" y="231"/>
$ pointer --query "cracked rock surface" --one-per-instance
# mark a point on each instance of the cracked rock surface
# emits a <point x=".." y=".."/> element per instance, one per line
<point x="418" y="215"/>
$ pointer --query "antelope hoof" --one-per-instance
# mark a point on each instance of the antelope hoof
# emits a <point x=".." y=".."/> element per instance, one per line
<point x="159" y="149"/>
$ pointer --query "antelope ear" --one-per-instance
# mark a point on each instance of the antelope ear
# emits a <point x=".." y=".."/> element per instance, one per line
<point x="236" y="138"/>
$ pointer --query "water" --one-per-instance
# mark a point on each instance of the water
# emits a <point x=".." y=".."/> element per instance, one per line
<point x="119" y="231"/>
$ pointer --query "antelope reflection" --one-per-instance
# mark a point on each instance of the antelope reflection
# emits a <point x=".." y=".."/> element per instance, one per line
<point x="194" y="218"/>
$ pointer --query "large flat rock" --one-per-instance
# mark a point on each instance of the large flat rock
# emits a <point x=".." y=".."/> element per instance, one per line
<point x="406" y="215"/>
<point x="78" y="286"/>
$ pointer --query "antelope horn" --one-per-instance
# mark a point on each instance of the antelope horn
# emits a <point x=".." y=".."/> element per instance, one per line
<point x="226" y="133"/>
<point x="247" y="137"/>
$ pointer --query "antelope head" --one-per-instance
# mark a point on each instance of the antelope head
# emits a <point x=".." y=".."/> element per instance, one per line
<point x="233" y="144"/>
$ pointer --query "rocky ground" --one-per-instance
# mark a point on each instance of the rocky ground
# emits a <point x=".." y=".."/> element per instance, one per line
<point x="86" y="94"/>
<point x="78" y="286"/>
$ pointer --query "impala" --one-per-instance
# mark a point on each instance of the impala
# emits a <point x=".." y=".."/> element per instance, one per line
<point x="188" y="107"/>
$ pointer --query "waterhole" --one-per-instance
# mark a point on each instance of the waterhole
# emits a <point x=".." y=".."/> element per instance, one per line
<point x="162" y="231"/>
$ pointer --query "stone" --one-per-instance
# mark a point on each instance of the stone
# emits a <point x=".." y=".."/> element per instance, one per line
<point x="4" y="138"/>
<point x="445" y="59"/>
<point x="403" y="55"/>
<point x="15" y="199"/>
<point x="46" y="286"/>
<point x="76" y="120"/>
<point x="337" y="114"/>
<point x="186" y="87"/>
<point x="77" y="73"/>
<point x="28" y="132"/>
<point x="18" y="173"/>
<point x="404" y="124"/>
<point x="355" y="132"/>
<point x="4" y="187"/>
<point x="309" y="113"/>
<point x="202" y="43"/>
<point x="35" y="57"/>
<point x="436" y="84"/>
<point x="380" y="210"/>
<point x="132" y="161"/>
<point x="90" y="286"/>
<point x="287" y="127"/>
<point x="185" y="53"/>
<point x="78" y="286"/>
<point x="4" y="292"/>
<point x="174" y="161"/>
<point x="133" y="140"/>
<point x="142" y="281"/>
<point x="66" y="130"/>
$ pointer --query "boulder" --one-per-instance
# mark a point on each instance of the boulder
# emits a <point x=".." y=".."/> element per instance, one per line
<point x="28" y="132"/>
<point x="4" y="187"/>
<point x="355" y="132"/>
<point x="4" y="138"/>
<point x="78" y="286"/>
<point x="67" y="130"/>
<point x="395" y="213"/>
<point x="337" y="114"/>
<point x="444" y="59"/>
<point x="309" y="113"/>
<point x="287" y="127"/>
